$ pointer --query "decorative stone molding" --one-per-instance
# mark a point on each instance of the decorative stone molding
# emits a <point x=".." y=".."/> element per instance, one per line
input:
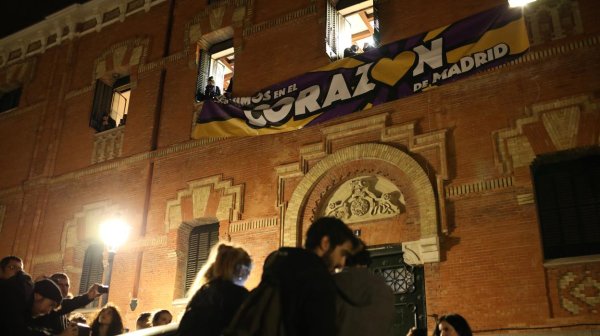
<point x="365" y="198"/>
<point x="552" y="51"/>
<point x="252" y="224"/>
<point x="215" y="32"/>
<point x="579" y="293"/>
<point x="84" y="225"/>
<point x="560" y="118"/>
<point x="552" y="20"/>
<point x="136" y="51"/>
<point x="108" y="144"/>
<point x="454" y="191"/>
<point x="72" y="22"/>
<point x="402" y="135"/>
<point x="424" y="250"/>
<point x="17" y="74"/>
<point x="230" y="203"/>
<point x="425" y="197"/>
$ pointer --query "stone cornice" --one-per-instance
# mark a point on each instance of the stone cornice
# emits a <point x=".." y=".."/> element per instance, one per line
<point x="70" y="23"/>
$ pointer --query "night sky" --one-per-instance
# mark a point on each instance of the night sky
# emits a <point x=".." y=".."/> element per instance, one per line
<point x="16" y="15"/>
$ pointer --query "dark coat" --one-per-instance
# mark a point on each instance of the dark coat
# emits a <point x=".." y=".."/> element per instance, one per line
<point x="57" y="320"/>
<point x="15" y="310"/>
<point x="308" y="292"/>
<point x="365" y="303"/>
<point x="211" y="309"/>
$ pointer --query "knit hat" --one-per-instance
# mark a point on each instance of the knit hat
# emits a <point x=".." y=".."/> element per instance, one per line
<point x="48" y="289"/>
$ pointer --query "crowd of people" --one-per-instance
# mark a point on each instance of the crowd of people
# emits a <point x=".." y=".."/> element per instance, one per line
<point x="325" y="288"/>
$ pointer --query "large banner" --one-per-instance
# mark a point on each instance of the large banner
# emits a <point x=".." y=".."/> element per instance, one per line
<point x="380" y="75"/>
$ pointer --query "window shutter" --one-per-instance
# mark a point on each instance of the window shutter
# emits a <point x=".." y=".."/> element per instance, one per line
<point x="202" y="239"/>
<point x="376" y="37"/>
<point x="92" y="269"/>
<point x="101" y="106"/>
<point x="203" y="70"/>
<point x="331" y="33"/>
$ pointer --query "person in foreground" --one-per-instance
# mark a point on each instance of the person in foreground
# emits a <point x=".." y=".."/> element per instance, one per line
<point x="365" y="301"/>
<point x="221" y="292"/>
<point x="452" y="325"/>
<point x="108" y="322"/>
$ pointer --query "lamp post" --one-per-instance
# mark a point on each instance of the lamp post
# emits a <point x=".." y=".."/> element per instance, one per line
<point x="113" y="233"/>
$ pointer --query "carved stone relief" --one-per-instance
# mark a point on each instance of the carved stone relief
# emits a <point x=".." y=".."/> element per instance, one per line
<point x="365" y="198"/>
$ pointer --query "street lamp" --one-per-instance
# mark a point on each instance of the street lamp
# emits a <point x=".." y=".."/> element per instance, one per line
<point x="113" y="233"/>
<point x="519" y="3"/>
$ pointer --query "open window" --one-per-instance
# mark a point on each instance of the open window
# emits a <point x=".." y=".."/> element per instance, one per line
<point x="111" y="103"/>
<point x="216" y="62"/>
<point x="352" y="27"/>
<point x="10" y="99"/>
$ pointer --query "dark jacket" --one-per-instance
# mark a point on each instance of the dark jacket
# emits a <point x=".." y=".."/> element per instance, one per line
<point x="365" y="303"/>
<point x="308" y="292"/>
<point x="16" y="294"/>
<point x="57" y="320"/>
<point x="211" y="309"/>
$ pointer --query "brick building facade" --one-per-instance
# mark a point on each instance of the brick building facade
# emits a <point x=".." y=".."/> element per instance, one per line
<point x="458" y="155"/>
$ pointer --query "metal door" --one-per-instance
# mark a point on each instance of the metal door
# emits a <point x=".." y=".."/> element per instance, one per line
<point x="407" y="283"/>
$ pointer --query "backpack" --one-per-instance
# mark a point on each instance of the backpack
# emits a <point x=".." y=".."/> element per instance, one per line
<point x="261" y="312"/>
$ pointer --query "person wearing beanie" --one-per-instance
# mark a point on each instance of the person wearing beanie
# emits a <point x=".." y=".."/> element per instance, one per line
<point x="57" y="320"/>
<point x="23" y="301"/>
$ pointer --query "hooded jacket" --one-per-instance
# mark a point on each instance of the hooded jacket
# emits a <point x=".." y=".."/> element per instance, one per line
<point x="365" y="304"/>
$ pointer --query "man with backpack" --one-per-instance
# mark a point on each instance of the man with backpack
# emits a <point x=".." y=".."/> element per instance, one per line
<point x="297" y="294"/>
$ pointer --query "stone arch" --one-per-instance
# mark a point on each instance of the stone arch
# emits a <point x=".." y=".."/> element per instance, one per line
<point x="408" y="165"/>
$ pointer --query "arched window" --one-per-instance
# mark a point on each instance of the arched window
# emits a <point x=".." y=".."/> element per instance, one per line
<point x="202" y="239"/>
<point x="92" y="269"/>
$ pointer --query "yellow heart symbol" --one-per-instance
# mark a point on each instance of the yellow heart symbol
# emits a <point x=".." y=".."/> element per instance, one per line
<point x="390" y="71"/>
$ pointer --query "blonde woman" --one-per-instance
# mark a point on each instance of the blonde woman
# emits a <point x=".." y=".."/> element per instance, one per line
<point x="221" y="292"/>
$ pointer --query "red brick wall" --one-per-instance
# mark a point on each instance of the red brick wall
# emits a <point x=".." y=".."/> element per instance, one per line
<point x="491" y="267"/>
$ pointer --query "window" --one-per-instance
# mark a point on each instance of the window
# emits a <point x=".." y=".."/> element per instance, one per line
<point x="202" y="239"/>
<point x="567" y="192"/>
<point x="216" y="62"/>
<point x="9" y="100"/>
<point x="111" y="103"/>
<point x="92" y="269"/>
<point x="351" y="23"/>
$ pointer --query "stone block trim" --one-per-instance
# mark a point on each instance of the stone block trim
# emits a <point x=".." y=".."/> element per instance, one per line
<point x="231" y="201"/>
<point x="559" y="118"/>
<point x="454" y="191"/>
<point x="252" y="224"/>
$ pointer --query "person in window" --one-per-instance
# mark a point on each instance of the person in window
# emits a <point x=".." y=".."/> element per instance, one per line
<point x="221" y="293"/>
<point x="351" y="51"/>
<point x="107" y="123"/>
<point x="367" y="47"/>
<point x="211" y="91"/>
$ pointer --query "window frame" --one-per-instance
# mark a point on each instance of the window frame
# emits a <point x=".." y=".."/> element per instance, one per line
<point x="205" y="62"/>
<point x="194" y="259"/>
<point x="562" y="208"/>
<point x="102" y="105"/>
<point x="92" y="270"/>
<point x="337" y="24"/>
